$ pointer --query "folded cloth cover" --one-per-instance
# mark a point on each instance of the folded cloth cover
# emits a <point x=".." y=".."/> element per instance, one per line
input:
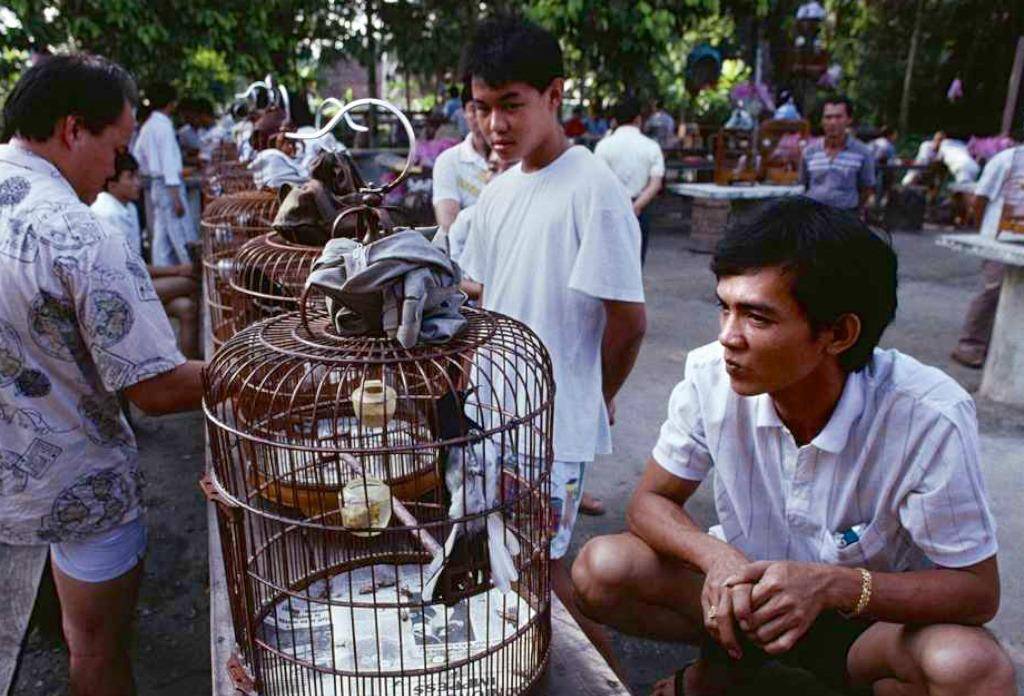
<point x="272" y="168"/>
<point x="401" y="286"/>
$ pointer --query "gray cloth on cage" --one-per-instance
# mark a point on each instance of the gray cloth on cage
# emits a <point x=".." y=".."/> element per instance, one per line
<point x="401" y="286"/>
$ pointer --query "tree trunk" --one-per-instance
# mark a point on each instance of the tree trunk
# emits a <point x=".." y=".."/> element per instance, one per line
<point x="371" y="71"/>
<point x="908" y="74"/>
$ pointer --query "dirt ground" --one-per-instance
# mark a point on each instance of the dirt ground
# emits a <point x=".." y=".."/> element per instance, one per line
<point x="172" y="646"/>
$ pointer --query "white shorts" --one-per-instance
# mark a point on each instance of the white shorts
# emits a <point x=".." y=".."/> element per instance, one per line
<point x="566" y="495"/>
<point x="103" y="557"/>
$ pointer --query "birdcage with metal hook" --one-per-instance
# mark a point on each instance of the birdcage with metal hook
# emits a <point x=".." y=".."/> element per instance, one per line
<point x="270" y="271"/>
<point x="228" y="222"/>
<point x="384" y="511"/>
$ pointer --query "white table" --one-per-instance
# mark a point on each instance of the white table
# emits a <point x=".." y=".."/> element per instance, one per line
<point x="1003" y="378"/>
<point x="714" y="207"/>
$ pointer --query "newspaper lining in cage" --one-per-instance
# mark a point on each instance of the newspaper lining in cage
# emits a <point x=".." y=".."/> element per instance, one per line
<point x="387" y="643"/>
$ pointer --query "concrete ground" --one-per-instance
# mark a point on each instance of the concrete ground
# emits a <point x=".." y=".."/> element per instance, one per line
<point x="172" y="648"/>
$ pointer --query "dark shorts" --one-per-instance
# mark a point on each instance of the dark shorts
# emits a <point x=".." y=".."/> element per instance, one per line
<point x="822" y="651"/>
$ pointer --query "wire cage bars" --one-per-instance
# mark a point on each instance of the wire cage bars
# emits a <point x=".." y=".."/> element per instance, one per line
<point x="384" y="512"/>
<point x="228" y="222"/>
<point x="268" y="277"/>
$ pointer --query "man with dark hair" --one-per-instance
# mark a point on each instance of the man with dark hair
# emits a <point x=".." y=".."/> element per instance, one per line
<point x="79" y="322"/>
<point x="838" y="169"/>
<point x="160" y="160"/>
<point x="854" y="536"/>
<point x="460" y="172"/>
<point x="556" y="245"/>
<point x="636" y="160"/>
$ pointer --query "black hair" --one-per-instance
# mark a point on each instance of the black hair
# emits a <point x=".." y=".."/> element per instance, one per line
<point x="453" y="91"/>
<point x="837" y="263"/>
<point x="509" y="49"/>
<point x="160" y="94"/>
<point x="627" y="110"/>
<point x="467" y="92"/>
<point x="124" y="162"/>
<point x="87" y="86"/>
<point x="839" y="99"/>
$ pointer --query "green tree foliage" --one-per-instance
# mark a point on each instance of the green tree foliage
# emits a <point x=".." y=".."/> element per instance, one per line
<point x="616" y="47"/>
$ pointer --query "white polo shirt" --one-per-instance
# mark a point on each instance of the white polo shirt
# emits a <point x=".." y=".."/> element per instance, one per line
<point x="633" y="157"/>
<point x="157" y="151"/>
<point x="993" y="181"/>
<point x="897" y="465"/>
<point x="122" y="217"/>
<point x="460" y="174"/>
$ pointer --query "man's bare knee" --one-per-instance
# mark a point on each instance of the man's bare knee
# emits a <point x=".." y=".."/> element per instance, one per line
<point x="965" y="659"/>
<point x="600" y="571"/>
<point x="184" y="308"/>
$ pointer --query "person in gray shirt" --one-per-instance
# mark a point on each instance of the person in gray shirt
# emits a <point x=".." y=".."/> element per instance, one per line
<point x="838" y="170"/>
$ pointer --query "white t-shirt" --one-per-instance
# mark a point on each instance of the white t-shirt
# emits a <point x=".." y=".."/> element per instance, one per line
<point x="548" y="246"/>
<point x="459" y="232"/>
<point x="460" y="174"/>
<point x="892" y="483"/>
<point x="157" y="149"/>
<point x="990" y="185"/>
<point x="122" y="218"/>
<point x="633" y="157"/>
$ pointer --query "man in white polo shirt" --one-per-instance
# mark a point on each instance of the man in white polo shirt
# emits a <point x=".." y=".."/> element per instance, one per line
<point x="854" y="538"/>
<point x="460" y="173"/>
<point x="636" y="160"/>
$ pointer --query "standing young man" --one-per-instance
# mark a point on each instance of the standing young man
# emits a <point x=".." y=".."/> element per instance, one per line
<point x="460" y="172"/>
<point x="77" y="325"/>
<point x="159" y="157"/>
<point x="854" y="536"/>
<point x="556" y="245"/>
<point x="839" y="169"/>
<point x="637" y="160"/>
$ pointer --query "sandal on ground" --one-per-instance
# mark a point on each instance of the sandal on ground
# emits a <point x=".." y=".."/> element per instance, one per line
<point x="592" y="506"/>
<point x="679" y="680"/>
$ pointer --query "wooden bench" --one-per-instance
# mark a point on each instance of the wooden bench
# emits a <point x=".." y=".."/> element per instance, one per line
<point x="21" y="570"/>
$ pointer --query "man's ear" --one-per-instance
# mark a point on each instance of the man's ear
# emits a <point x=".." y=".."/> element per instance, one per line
<point x="67" y="130"/>
<point x="555" y="92"/>
<point x="845" y="333"/>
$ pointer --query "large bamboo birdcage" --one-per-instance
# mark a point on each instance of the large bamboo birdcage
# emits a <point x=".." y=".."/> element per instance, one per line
<point x="228" y="222"/>
<point x="340" y="469"/>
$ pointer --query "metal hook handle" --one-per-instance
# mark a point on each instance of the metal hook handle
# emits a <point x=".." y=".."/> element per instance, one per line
<point x="331" y="101"/>
<point x="369" y="101"/>
<point x="251" y="89"/>
<point x="285" y="102"/>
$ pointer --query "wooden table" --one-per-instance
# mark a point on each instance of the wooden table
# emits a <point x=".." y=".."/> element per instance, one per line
<point x="1003" y="378"/>
<point x="574" y="667"/>
<point x="715" y="207"/>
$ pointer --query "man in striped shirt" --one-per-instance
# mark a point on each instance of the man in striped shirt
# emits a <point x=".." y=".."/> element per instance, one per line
<point x="854" y="538"/>
<point x="838" y="169"/>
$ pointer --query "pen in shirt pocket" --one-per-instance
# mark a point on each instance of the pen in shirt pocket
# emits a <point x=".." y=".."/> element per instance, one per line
<point x="850" y="536"/>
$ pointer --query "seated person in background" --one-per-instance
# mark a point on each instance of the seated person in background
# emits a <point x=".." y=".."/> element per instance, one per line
<point x="176" y="286"/>
<point x="884" y="146"/>
<point x="950" y="152"/>
<point x="575" y="127"/>
<point x="854" y="538"/>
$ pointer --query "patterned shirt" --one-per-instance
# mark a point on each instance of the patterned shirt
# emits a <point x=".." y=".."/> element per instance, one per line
<point x="892" y="482"/>
<point x="838" y="180"/>
<point x="79" y="320"/>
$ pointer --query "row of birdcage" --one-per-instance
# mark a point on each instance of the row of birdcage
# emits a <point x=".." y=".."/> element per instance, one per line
<point x="383" y="510"/>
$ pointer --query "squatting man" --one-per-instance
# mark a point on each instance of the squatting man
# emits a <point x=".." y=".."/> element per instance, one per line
<point x="855" y="538"/>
